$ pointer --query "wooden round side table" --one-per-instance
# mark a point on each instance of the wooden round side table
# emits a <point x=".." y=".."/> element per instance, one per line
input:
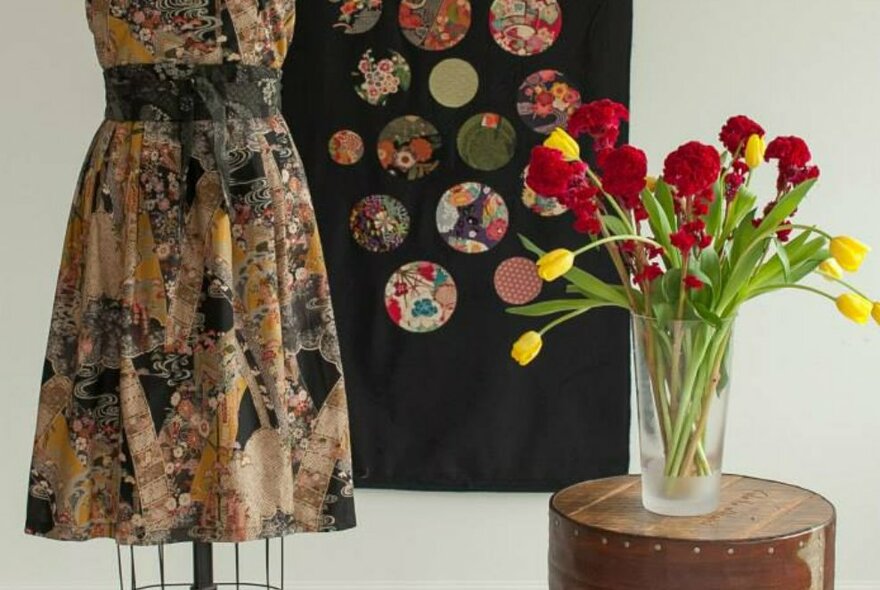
<point x="765" y="536"/>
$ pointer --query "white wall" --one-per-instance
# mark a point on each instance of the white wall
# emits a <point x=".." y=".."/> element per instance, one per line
<point x="806" y="407"/>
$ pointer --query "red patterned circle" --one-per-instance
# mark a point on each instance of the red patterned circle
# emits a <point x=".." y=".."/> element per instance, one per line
<point x="517" y="281"/>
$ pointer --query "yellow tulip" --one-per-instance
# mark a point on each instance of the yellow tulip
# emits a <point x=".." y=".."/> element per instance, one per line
<point x="554" y="264"/>
<point x="831" y="269"/>
<point x="565" y="143"/>
<point x="527" y="348"/>
<point x="849" y="252"/>
<point x="755" y="149"/>
<point x="876" y="312"/>
<point x="855" y="307"/>
<point x="651" y="183"/>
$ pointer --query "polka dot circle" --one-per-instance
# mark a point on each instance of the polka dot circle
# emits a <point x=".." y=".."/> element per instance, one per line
<point x="379" y="223"/>
<point x="539" y="204"/>
<point x="408" y="147"/>
<point x="487" y="142"/>
<point x="546" y="100"/>
<point x="525" y="27"/>
<point x="517" y="281"/>
<point x="435" y="25"/>
<point x="346" y="147"/>
<point x="454" y="83"/>
<point x="421" y="297"/>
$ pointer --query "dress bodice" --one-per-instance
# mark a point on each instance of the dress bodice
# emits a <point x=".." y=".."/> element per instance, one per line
<point x="199" y="32"/>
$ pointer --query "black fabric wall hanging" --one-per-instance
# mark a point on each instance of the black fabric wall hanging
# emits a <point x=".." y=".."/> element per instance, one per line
<point x="415" y="119"/>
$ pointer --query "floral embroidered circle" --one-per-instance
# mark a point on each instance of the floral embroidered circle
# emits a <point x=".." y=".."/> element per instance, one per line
<point x="421" y="297"/>
<point x="472" y="217"/>
<point x="487" y="142"/>
<point x="346" y="147"/>
<point x="454" y="83"/>
<point x="546" y="100"/>
<point x="435" y="25"/>
<point x="357" y="16"/>
<point x="517" y="281"/>
<point x="408" y="147"/>
<point x="377" y="79"/>
<point x="525" y="27"/>
<point x="539" y="204"/>
<point x="379" y="223"/>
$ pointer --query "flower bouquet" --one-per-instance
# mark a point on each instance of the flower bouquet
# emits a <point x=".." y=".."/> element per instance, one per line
<point x="691" y="248"/>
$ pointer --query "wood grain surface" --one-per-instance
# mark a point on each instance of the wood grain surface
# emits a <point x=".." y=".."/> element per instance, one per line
<point x="765" y="535"/>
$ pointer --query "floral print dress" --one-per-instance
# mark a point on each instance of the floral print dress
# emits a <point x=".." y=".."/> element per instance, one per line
<point x="192" y="388"/>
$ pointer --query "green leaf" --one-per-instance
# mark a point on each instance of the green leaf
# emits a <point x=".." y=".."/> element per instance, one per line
<point x="670" y="285"/>
<point x="743" y="236"/>
<point x="739" y="278"/>
<point x="664" y="198"/>
<point x="787" y="205"/>
<point x="798" y="250"/>
<point x="661" y="226"/>
<point x="711" y="266"/>
<point x="739" y="208"/>
<point x="555" y="306"/>
<point x="588" y="284"/>
<point x="615" y="225"/>
<point x="783" y="259"/>
<point x="706" y="314"/>
<point x="716" y="211"/>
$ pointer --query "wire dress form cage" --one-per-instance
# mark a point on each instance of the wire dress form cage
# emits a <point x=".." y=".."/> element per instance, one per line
<point x="203" y="569"/>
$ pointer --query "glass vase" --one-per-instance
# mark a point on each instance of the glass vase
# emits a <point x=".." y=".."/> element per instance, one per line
<point x="682" y="385"/>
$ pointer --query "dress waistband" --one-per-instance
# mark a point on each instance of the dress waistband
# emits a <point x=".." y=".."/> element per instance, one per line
<point x="175" y="92"/>
<point x="187" y="94"/>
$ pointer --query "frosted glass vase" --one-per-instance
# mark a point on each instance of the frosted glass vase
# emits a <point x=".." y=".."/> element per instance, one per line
<point x="682" y="385"/>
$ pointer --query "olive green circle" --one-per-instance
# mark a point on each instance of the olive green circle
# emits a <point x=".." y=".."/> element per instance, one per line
<point x="454" y="83"/>
<point x="487" y="142"/>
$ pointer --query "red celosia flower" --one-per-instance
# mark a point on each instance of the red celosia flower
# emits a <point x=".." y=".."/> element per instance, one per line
<point x="588" y="225"/>
<point x="550" y="174"/>
<point x="649" y="274"/>
<point x="737" y="131"/>
<point x="684" y="240"/>
<point x="692" y="168"/>
<point x="735" y="179"/>
<point x="601" y="120"/>
<point x="794" y="156"/>
<point x="692" y="282"/>
<point x="790" y="151"/>
<point x="623" y="175"/>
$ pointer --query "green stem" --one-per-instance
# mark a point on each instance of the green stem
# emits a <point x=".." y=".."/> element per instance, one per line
<point x="799" y="288"/>
<point x="620" y="212"/>
<point x="852" y="288"/>
<point x="562" y="320"/>
<point x="611" y="239"/>
<point x="808" y="228"/>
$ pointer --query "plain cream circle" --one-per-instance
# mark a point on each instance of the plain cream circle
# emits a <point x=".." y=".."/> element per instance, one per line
<point x="454" y="83"/>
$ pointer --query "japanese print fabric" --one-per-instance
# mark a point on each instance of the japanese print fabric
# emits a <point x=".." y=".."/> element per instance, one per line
<point x="416" y="119"/>
<point x="192" y="388"/>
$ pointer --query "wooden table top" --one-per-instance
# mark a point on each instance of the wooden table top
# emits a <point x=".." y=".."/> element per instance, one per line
<point x="751" y="509"/>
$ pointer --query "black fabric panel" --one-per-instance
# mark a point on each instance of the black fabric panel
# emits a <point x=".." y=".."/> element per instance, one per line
<point x="449" y="410"/>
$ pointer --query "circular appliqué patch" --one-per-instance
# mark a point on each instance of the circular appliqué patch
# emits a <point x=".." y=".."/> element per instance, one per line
<point x="539" y="204"/>
<point x="377" y="78"/>
<point x="346" y="147"/>
<point x="435" y="25"/>
<point x="517" y="281"/>
<point x="546" y="100"/>
<point x="525" y="27"/>
<point x="472" y="217"/>
<point x="379" y="223"/>
<point x="408" y="147"/>
<point x="487" y="142"/>
<point x="454" y="83"/>
<point x="357" y="16"/>
<point x="421" y="297"/>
